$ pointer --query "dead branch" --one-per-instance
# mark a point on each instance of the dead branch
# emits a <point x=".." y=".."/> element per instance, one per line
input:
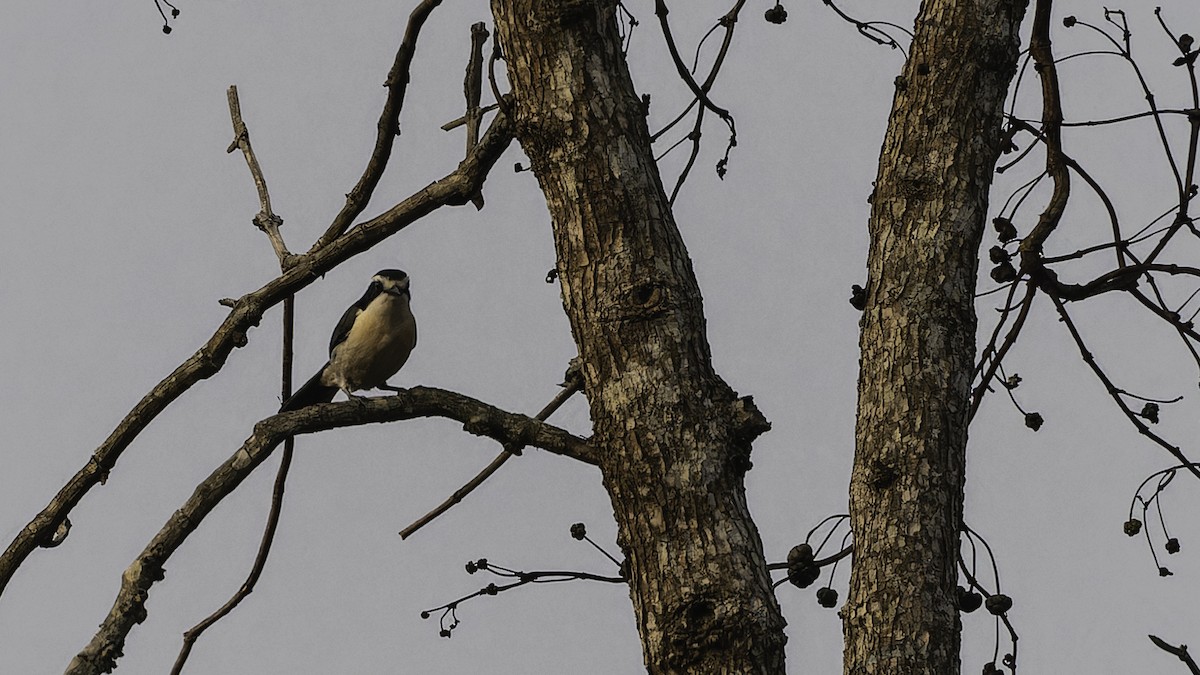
<point x="573" y="384"/>
<point x="266" y="220"/>
<point x="387" y="128"/>
<point x="1180" y="652"/>
<point x="473" y="90"/>
<point x="453" y="189"/>
<point x="478" y="418"/>
<point x="269" y="223"/>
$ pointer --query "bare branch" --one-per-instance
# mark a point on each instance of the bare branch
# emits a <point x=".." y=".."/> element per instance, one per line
<point x="268" y="537"/>
<point x="453" y="189"/>
<point x="1040" y="48"/>
<point x="266" y="220"/>
<point x="572" y="385"/>
<point x="1114" y="392"/>
<point x="1180" y="652"/>
<point x="473" y="90"/>
<point x="387" y="128"/>
<point x="701" y="93"/>
<point x="479" y="418"/>
<point x="473" y="83"/>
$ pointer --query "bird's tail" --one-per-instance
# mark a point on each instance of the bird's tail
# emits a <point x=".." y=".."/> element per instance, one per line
<point x="312" y="392"/>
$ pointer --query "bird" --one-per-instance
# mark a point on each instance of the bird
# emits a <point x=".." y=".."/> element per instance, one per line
<point x="370" y="344"/>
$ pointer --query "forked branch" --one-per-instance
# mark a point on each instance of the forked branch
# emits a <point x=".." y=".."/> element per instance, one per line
<point x="455" y="188"/>
<point x="129" y="609"/>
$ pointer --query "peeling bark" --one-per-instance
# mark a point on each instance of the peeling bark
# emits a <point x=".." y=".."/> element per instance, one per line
<point x="918" y="337"/>
<point x="672" y="438"/>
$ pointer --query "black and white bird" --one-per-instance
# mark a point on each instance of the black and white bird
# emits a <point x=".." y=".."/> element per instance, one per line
<point x="369" y="345"/>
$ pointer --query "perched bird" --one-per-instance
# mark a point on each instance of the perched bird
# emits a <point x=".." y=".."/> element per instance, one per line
<point x="370" y="343"/>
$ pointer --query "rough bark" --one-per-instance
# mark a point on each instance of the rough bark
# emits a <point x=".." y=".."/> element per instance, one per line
<point x="672" y="438"/>
<point x="918" y="337"/>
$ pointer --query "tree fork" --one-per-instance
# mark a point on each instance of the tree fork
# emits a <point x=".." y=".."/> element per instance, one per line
<point x="672" y="438"/>
<point x="918" y="337"/>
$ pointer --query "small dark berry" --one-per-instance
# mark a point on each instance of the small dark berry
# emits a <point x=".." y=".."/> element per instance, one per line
<point x="998" y="604"/>
<point x="166" y="29"/>
<point x="424" y="615"/>
<point x="967" y="601"/>
<point x="998" y="255"/>
<point x="803" y="576"/>
<point x="1172" y="546"/>
<point x="1185" y="42"/>
<point x="578" y="531"/>
<point x="1005" y="230"/>
<point x="827" y="597"/>
<point x="776" y="14"/>
<point x="1150" y="412"/>
<point x="174" y="13"/>
<point x="1164" y="572"/>
<point x="444" y="633"/>
<point x="1004" y="273"/>
<point x="1132" y="527"/>
<point x="801" y="554"/>
<point x="858" y="297"/>
<point x="1068" y="21"/>
<point x="1034" y="420"/>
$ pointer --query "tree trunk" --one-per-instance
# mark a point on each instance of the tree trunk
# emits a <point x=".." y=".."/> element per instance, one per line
<point x="918" y="337"/>
<point x="673" y="438"/>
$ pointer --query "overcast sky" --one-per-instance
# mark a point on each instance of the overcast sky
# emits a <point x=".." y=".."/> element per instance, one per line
<point x="126" y="222"/>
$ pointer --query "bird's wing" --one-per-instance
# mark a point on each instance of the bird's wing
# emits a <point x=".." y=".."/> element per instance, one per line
<point x="343" y="327"/>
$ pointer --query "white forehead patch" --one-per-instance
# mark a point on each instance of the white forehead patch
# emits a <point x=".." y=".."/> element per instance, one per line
<point x="391" y="282"/>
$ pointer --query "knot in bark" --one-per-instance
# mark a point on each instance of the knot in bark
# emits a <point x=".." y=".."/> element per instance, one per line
<point x="700" y="624"/>
<point x="645" y="301"/>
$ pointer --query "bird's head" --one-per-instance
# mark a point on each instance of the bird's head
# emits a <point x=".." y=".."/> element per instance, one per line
<point x="392" y="282"/>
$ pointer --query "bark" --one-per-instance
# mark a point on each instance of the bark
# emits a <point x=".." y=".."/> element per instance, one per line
<point x="918" y="337"/>
<point x="672" y="438"/>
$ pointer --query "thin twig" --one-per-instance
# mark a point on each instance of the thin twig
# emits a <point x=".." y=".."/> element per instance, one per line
<point x="285" y="390"/>
<point x="1180" y="652"/>
<point x="572" y="385"/>
<point x="388" y="127"/>
<point x="266" y="220"/>
<point x="1114" y="392"/>
<point x="997" y="356"/>
<point x="661" y="11"/>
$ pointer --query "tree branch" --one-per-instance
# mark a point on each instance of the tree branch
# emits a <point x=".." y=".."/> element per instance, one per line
<point x="1052" y="117"/>
<point x="453" y="189"/>
<point x="388" y="127"/>
<point x="129" y="609"/>
<point x="573" y="384"/>
<point x="285" y="462"/>
<point x="265" y="220"/>
<point x="1181" y="652"/>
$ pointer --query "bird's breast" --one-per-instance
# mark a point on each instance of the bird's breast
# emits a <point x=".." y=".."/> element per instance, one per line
<point x="379" y="342"/>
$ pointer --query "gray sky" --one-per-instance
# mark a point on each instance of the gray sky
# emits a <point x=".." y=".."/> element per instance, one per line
<point x="126" y="221"/>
